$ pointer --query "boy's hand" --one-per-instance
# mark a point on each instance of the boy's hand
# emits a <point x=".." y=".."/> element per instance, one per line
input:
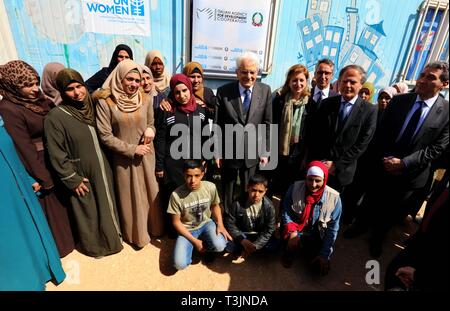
<point x="221" y="229"/>
<point x="198" y="244"/>
<point x="249" y="247"/>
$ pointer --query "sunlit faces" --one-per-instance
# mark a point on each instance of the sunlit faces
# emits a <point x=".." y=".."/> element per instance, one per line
<point x="350" y="84"/>
<point x="182" y="94"/>
<point x="196" y="80"/>
<point x="131" y="83"/>
<point x="364" y="93"/>
<point x="247" y="73"/>
<point x="193" y="178"/>
<point x="383" y="100"/>
<point x="429" y="84"/>
<point x="76" y="91"/>
<point x="30" y="90"/>
<point x="157" y="67"/>
<point x="323" y="75"/>
<point x="314" y="183"/>
<point x="256" y="193"/>
<point x="147" y="82"/>
<point x="297" y="84"/>
<point x="122" y="55"/>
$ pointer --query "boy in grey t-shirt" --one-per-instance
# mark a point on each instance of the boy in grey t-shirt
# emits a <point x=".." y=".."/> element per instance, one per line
<point x="196" y="216"/>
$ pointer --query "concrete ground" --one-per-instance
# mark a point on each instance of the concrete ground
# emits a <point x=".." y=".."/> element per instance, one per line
<point x="149" y="269"/>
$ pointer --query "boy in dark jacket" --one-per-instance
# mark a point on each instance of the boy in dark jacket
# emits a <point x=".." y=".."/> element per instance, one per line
<point x="251" y="220"/>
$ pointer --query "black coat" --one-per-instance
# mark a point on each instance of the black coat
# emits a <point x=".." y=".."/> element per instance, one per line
<point x="344" y="146"/>
<point x="236" y="221"/>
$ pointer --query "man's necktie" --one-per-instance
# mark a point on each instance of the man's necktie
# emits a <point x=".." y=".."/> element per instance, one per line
<point x="343" y="115"/>
<point x="407" y="136"/>
<point x="247" y="99"/>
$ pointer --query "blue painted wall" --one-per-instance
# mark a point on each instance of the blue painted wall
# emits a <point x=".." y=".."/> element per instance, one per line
<point x="391" y="21"/>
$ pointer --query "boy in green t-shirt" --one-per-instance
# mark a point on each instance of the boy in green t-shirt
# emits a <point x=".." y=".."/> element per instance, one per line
<point x="192" y="206"/>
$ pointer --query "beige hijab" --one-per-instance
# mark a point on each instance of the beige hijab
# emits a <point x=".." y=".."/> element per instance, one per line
<point x="48" y="84"/>
<point x="147" y="70"/>
<point x="113" y="84"/>
<point x="163" y="82"/>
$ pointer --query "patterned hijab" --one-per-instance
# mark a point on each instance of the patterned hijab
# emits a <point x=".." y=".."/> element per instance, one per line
<point x="82" y="111"/>
<point x="15" y="75"/>
<point x="163" y="82"/>
<point x="125" y="102"/>
<point x="182" y="79"/>
<point x="194" y="67"/>
<point x="49" y="82"/>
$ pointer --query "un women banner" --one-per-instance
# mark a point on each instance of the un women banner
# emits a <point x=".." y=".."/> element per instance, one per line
<point x="123" y="17"/>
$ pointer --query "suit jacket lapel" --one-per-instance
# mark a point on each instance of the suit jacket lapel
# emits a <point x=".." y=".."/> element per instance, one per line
<point x="432" y="116"/>
<point x="256" y="94"/>
<point x="354" y="113"/>
<point x="236" y="102"/>
<point x="334" y="117"/>
<point x="402" y="116"/>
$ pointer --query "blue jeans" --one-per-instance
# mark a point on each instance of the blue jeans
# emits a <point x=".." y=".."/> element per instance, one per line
<point x="182" y="254"/>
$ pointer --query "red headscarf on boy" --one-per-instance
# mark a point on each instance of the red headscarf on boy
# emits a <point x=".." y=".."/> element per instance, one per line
<point x="192" y="104"/>
<point x="311" y="199"/>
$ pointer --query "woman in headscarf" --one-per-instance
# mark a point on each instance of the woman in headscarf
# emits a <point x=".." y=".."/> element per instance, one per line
<point x="23" y="109"/>
<point x="384" y="97"/>
<point x="185" y="110"/>
<point x="148" y="85"/>
<point x="289" y="113"/>
<point x="310" y="216"/>
<point x="81" y="165"/>
<point x="121" y="53"/>
<point x="48" y="84"/>
<point x="204" y="96"/>
<point x="126" y="127"/>
<point x="401" y="87"/>
<point x="29" y="256"/>
<point x="155" y="61"/>
<point x="366" y="92"/>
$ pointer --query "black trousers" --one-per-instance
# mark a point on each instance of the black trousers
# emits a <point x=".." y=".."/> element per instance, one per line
<point x="231" y="191"/>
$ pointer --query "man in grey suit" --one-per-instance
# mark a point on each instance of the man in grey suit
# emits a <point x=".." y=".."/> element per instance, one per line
<point x="343" y="128"/>
<point x="244" y="102"/>
<point x="413" y="133"/>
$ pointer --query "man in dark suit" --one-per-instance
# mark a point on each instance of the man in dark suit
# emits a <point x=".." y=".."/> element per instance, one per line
<point x="323" y="75"/>
<point x="244" y="102"/>
<point x="413" y="133"/>
<point x="343" y="128"/>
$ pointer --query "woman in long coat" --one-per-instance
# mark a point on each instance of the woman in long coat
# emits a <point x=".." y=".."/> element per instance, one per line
<point x="29" y="257"/>
<point x="23" y="109"/>
<point x="80" y="163"/>
<point x="125" y="125"/>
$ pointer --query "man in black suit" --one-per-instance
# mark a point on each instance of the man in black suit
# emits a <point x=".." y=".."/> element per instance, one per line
<point x="413" y="133"/>
<point x="343" y="128"/>
<point x="244" y="102"/>
<point x="323" y="75"/>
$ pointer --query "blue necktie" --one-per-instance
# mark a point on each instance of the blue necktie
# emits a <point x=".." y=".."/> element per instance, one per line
<point x="343" y="115"/>
<point x="408" y="134"/>
<point x="246" y="102"/>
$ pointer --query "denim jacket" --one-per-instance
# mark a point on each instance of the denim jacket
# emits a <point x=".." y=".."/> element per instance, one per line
<point x="328" y="231"/>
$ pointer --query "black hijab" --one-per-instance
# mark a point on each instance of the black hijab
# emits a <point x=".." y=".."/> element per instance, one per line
<point x="121" y="47"/>
<point x="82" y="111"/>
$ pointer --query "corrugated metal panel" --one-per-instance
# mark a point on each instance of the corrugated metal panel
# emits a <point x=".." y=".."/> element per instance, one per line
<point x="8" y="50"/>
<point x="44" y="31"/>
<point x="379" y="32"/>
